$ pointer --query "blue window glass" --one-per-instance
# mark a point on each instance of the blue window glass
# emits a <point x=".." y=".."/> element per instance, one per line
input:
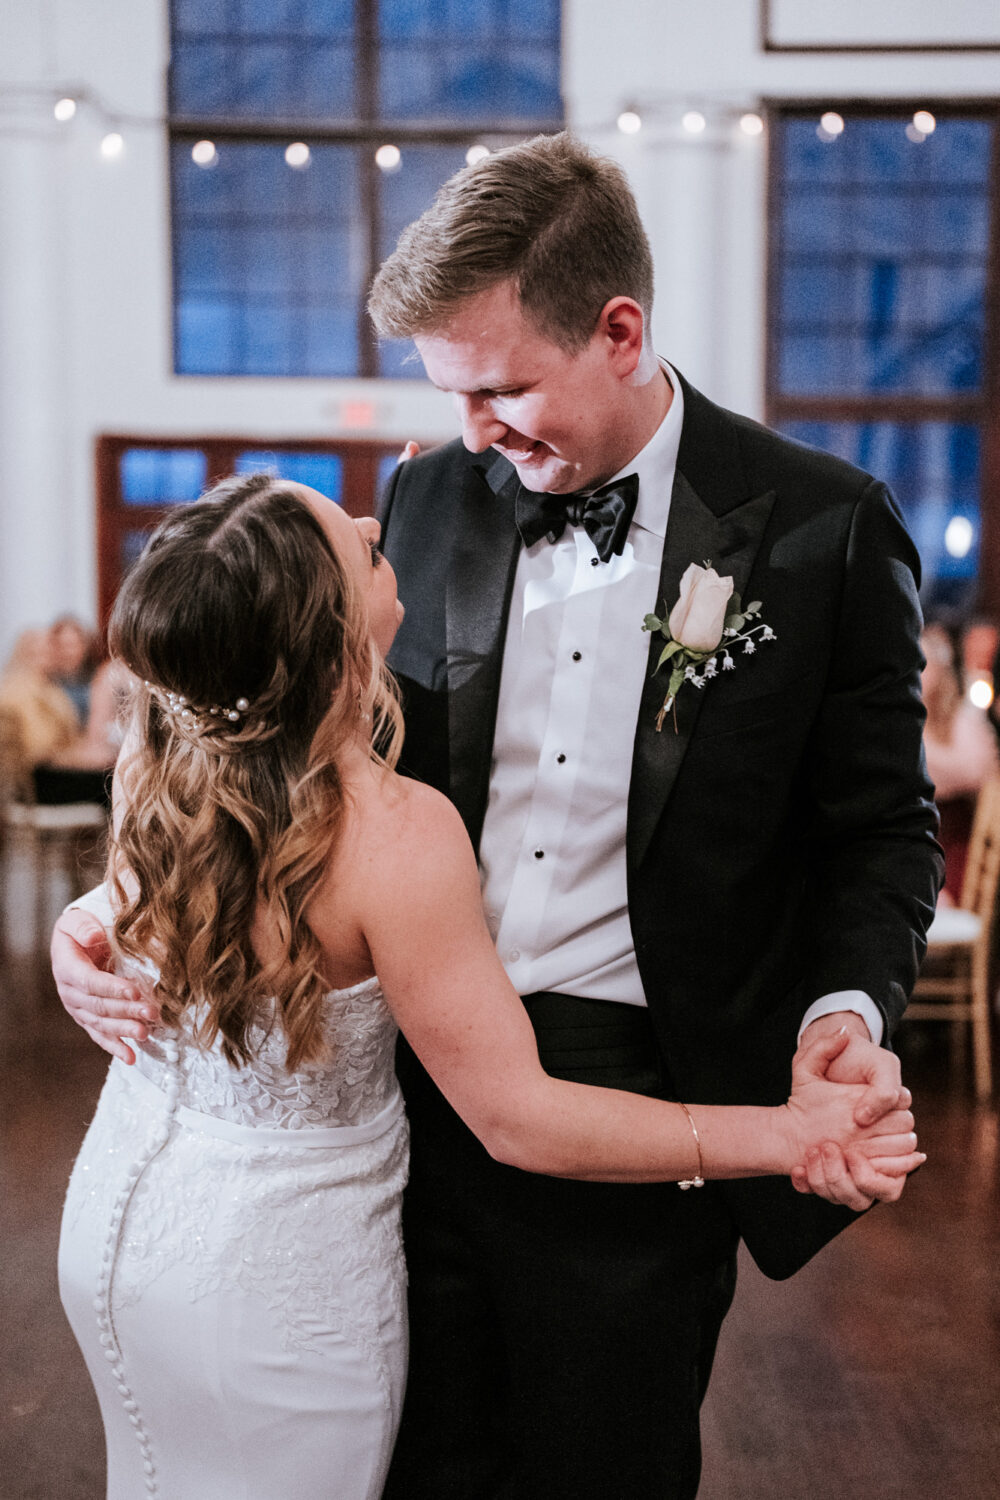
<point x="264" y="59"/>
<point x="269" y="262"/>
<point x="933" y="469"/>
<point x="320" y="471"/>
<point x="161" y="476"/>
<point x="883" y="246"/>
<point x="475" y="60"/>
<point x="404" y="196"/>
<point x="438" y="60"/>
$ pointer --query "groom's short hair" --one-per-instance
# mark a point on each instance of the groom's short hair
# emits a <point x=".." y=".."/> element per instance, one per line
<point x="549" y="215"/>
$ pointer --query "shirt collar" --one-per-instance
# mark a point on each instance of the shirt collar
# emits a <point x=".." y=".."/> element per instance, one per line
<point x="655" y="464"/>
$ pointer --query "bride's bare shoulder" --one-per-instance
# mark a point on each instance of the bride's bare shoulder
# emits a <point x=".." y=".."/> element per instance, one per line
<point x="412" y="818"/>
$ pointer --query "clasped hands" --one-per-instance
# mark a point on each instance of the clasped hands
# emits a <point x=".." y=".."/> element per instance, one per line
<point x="870" y="1159"/>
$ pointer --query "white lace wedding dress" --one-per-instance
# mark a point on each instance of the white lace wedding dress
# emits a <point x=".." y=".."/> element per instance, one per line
<point x="232" y="1266"/>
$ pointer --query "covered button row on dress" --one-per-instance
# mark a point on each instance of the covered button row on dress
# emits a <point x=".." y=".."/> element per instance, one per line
<point x="102" y="1299"/>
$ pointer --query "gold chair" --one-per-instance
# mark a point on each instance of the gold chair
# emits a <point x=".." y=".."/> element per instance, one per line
<point x="959" y="939"/>
<point x="53" y="836"/>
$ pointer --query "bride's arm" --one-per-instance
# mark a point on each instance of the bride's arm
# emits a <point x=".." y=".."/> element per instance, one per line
<point x="418" y="901"/>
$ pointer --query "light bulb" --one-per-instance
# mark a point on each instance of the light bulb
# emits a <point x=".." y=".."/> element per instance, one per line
<point x="629" y="122"/>
<point x="694" y="122"/>
<point x="388" y="158"/>
<point x="958" y="536"/>
<point x="474" y="154"/>
<point x="112" y="146"/>
<point x="831" y="125"/>
<point x="64" y="109"/>
<point x="298" y="155"/>
<point x="204" y="154"/>
<point x="751" y="124"/>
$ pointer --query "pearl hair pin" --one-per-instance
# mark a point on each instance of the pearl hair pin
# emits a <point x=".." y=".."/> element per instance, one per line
<point x="178" y="705"/>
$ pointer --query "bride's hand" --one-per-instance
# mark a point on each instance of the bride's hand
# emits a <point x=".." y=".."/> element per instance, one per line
<point x="833" y="1156"/>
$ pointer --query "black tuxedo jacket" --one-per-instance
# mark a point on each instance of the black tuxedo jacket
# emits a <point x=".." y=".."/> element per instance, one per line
<point x="781" y="845"/>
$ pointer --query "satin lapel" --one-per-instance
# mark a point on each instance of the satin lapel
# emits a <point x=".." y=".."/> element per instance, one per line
<point x="694" y="534"/>
<point x="480" y="577"/>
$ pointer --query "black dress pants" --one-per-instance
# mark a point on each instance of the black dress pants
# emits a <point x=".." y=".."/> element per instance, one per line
<point x="561" y="1333"/>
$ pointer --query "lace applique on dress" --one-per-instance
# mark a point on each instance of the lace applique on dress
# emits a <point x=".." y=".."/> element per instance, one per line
<point x="354" y="1084"/>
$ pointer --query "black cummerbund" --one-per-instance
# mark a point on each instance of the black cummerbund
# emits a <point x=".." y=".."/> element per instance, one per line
<point x="599" y="1042"/>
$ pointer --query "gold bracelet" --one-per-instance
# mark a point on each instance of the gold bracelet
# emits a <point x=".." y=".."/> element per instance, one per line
<point x="698" y="1180"/>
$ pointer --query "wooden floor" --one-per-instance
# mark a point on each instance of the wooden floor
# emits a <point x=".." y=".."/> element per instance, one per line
<point x="872" y="1375"/>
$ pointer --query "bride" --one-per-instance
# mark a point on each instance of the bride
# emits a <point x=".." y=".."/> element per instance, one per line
<point x="231" y="1260"/>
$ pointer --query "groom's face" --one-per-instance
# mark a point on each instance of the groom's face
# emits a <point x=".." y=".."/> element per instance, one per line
<point x="554" y="415"/>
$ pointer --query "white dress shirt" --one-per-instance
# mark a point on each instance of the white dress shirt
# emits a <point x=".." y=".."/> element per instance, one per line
<point x="552" y="852"/>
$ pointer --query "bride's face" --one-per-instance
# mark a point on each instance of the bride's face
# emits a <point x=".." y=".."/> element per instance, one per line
<point x="355" y="542"/>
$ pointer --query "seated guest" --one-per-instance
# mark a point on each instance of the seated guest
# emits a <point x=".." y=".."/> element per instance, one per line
<point x="66" y="761"/>
<point x="76" y="657"/>
<point x="961" y="751"/>
<point x="97" y="747"/>
<point x="81" y="771"/>
<point x="46" y="718"/>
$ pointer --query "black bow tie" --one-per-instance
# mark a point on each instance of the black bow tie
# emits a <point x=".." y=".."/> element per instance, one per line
<point x="606" y="515"/>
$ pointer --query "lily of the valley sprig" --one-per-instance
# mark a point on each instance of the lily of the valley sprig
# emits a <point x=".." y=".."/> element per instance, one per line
<point x="708" y="621"/>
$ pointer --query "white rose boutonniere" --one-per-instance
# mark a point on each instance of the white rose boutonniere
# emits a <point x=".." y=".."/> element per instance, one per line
<point x="707" y="621"/>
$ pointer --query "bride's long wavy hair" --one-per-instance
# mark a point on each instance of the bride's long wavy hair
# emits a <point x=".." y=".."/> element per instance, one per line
<point x="239" y="606"/>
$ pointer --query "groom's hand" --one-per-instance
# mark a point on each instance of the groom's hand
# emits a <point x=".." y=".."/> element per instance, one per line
<point x="856" y="1180"/>
<point x="861" y="1062"/>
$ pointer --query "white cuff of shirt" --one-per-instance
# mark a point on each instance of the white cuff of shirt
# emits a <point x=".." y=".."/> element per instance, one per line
<point x="98" y="903"/>
<point x="855" y="1000"/>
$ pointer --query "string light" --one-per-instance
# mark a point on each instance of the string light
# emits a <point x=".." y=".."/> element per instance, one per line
<point x="694" y="122"/>
<point x="958" y="536"/>
<point x="925" y="122"/>
<point x="388" y="158"/>
<point x="831" y="125"/>
<point x="630" y="121"/>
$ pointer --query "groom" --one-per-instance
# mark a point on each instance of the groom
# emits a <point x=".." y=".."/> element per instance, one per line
<point x="678" y="899"/>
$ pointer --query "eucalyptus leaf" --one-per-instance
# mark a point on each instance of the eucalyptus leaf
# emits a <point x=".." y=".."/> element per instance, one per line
<point x="735" y="603"/>
<point x="735" y="622"/>
<point x="652" y="622"/>
<point x="754" y="608"/>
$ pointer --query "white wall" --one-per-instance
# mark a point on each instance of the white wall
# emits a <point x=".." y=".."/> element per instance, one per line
<point x="84" y="243"/>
